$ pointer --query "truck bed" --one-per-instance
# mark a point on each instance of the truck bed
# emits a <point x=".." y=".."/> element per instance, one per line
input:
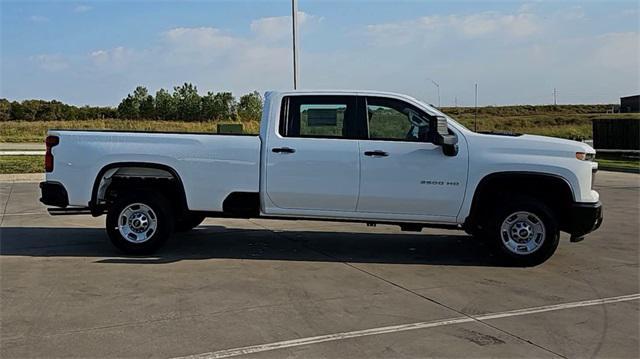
<point x="209" y="165"/>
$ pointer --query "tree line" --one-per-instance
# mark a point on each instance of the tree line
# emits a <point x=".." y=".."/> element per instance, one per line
<point x="183" y="104"/>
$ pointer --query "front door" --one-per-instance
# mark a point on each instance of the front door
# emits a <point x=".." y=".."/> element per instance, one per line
<point x="313" y="162"/>
<point x="401" y="173"/>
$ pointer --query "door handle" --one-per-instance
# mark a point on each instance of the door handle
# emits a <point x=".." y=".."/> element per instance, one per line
<point x="376" y="153"/>
<point x="283" y="150"/>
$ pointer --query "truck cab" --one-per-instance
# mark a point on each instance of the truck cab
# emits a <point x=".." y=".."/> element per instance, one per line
<point x="359" y="157"/>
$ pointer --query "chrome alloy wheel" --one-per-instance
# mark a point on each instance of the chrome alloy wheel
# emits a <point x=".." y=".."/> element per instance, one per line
<point x="522" y="232"/>
<point x="137" y="223"/>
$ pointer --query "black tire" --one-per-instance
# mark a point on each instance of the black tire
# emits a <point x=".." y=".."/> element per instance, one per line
<point x="188" y="222"/>
<point x="160" y="209"/>
<point x="500" y="240"/>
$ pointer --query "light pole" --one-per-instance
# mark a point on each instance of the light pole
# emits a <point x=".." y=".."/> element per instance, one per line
<point x="294" y="18"/>
<point x="438" y="89"/>
<point x="475" y="110"/>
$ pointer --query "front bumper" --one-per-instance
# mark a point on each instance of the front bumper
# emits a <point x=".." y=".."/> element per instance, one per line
<point x="584" y="218"/>
<point x="54" y="194"/>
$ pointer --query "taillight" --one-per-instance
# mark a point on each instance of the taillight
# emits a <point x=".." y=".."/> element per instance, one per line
<point x="51" y="141"/>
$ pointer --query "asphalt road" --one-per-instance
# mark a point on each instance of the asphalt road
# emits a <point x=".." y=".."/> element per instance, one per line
<point x="313" y="289"/>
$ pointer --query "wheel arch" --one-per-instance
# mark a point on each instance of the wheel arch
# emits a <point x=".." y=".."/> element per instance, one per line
<point x="555" y="190"/>
<point x="102" y="180"/>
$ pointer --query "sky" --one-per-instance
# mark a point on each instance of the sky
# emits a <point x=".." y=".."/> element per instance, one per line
<point x="96" y="52"/>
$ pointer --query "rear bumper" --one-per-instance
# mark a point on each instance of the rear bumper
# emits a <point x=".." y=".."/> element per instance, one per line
<point x="54" y="194"/>
<point x="584" y="218"/>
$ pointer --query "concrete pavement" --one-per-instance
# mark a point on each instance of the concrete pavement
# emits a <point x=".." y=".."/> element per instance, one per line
<point x="65" y="292"/>
<point x="21" y="177"/>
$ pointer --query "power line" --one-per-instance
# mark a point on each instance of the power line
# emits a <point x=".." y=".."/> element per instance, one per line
<point x="438" y="89"/>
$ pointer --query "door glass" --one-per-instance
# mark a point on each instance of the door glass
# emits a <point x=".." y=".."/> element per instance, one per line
<point x="391" y="119"/>
<point x="319" y="116"/>
<point x="322" y="120"/>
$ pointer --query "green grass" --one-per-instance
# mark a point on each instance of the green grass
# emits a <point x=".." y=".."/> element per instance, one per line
<point x="571" y="126"/>
<point x="572" y="122"/>
<point x="21" y="164"/>
<point x="609" y="162"/>
<point x="36" y="131"/>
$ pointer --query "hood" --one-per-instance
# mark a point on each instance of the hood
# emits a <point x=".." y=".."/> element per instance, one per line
<point x="529" y="144"/>
<point x="560" y="142"/>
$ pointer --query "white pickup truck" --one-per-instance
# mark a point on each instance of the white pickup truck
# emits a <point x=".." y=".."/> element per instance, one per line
<point x="360" y="156"/>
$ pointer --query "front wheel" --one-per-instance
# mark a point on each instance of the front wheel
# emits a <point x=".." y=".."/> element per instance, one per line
<point x="523" y="231"/>
<point x="139" y="223"/>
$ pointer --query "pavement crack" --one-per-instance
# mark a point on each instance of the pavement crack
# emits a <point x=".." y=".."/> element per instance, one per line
<point x="283" y="235"/>
<point x="457" y="311"/>
<point x="6" y="204"/>
<point x="167" y="318"/>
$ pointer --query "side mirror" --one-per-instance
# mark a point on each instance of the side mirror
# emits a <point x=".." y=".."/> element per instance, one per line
<point x="439" y="135"/>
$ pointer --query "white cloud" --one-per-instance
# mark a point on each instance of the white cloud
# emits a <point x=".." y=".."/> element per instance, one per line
<point x="490" y="23"/>
<point x="117" y="58"/>
<point x="516" y="57"/>
<point x="209" y="57"/>
<point x="217" y="54"/>
<point x="199" y="38"/>
<point x="527" y="7"/>
<point x="618" y="51"/>
<point x="51" y="62"/>
<point x="38" y="18"/>
<point x="197" y="46"/>
<point x="279" y="27"/>
<point x="82" y="8"/>
<point x="484" y="24"/>
<point x="573" y="13"/>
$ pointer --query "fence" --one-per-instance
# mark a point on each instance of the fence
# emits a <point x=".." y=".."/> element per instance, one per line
<point x="616" y="134"/>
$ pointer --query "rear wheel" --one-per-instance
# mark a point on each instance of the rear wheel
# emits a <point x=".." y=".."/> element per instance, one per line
<point x="139" y="223"/>
<point x="188" y="222"/>
<point x="523" y="231"/>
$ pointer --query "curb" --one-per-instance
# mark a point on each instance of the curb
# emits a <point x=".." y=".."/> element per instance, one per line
<point x="22" y="153"/>
<point x="21" y="177"/>
<point x="616" y="169"/>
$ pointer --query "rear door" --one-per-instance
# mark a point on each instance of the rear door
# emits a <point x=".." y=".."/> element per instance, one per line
<point x="313" y="160"/>
<point x="401" y="173"/>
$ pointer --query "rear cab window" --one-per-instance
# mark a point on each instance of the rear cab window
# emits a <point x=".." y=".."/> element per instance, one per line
<point x="320" y="116"/>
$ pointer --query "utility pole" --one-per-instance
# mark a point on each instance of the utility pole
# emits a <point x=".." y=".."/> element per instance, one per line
<point x="475" y="114"/>
<point x="294" y="18"/>
<point x="438" y="88"/>
<point x="555" y="96"/>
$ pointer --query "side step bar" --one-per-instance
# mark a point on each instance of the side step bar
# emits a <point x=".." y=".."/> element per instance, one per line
<point x="68" y="211"/>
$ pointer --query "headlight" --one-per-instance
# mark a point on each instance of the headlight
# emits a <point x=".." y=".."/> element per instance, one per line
<point x="583" y="156"/>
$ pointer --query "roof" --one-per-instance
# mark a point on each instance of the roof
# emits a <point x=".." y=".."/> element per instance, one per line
<point x="344" y="92"/>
